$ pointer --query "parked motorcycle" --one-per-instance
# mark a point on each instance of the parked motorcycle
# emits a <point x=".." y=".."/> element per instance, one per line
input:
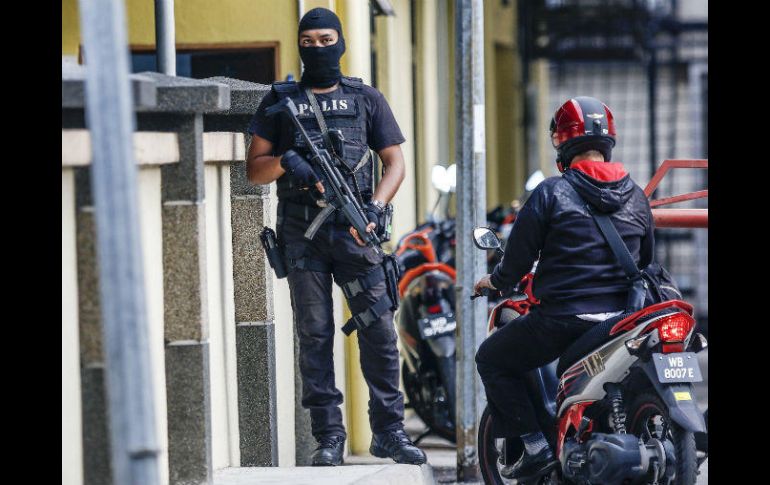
<point x="618" y="406"/>
<point x="426" y="319"/>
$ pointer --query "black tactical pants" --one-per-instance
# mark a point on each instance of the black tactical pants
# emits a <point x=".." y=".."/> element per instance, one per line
<point x="311" y="299"/>
<point x="503" y="359"/>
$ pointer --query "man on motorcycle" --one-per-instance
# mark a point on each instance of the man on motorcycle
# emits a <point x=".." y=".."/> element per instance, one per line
<point x="578" y="279"/>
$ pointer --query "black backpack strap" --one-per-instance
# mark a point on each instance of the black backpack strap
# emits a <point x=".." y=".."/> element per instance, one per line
<point x="616" y="243"/>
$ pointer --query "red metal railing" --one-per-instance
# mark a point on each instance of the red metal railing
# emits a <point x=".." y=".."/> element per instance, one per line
<point x="677" y="217"/>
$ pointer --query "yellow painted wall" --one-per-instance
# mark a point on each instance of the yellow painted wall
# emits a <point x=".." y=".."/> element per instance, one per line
<point x="203" y="21"/>
<point x="70" y="28"/>
<point x="427" y="101"/>
<point x="504" y="109"/>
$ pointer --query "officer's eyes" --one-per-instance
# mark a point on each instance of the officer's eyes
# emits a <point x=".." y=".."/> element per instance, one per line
<point x="326" y="40"/>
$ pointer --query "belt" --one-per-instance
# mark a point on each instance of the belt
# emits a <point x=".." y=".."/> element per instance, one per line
<point x="307" y="213"/>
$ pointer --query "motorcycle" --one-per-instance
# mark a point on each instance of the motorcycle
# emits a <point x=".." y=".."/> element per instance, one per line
<point x="425" y="320"/>
<point x="618" y="406"/>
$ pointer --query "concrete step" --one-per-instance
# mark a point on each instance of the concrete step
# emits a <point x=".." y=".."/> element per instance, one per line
<point x="387" y="473"/>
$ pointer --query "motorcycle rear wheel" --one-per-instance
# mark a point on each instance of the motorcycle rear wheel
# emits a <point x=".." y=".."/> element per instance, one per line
<point x="646" y="416"/>
<point x="423" y="409"/>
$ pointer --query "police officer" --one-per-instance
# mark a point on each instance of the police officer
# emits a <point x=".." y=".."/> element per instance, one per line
<point x="351" y="117"/>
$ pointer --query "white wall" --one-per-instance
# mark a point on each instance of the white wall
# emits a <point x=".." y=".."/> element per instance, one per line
<point x="224" y="399"/>
<point x="71" y="421"/>
<point x="284" y="357"/>
<point x="149" y="193"/>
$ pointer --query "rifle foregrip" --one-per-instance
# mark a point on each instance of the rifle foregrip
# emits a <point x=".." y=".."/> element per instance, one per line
<point x="359" y="222"/>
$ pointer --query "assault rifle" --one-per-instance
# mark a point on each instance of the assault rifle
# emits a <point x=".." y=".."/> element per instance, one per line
<point x="340" y="197"/>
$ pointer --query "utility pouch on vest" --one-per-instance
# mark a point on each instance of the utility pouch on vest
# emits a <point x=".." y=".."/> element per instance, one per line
<point x="338" y="142"/>
<point x="392" y="275"/>
<point x="273" y="252"/>
<point x="386" y="230"/>
<point x="336" y="138"/>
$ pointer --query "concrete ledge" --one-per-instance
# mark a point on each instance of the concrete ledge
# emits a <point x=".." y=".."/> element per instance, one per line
<point x="245" y="96"/>
<point x="223" y="147"/>
<point x="186" y="95"/>
<point x="73" y="78"/>
<point x="392" y="474"/>
<point x="150" y="148"/>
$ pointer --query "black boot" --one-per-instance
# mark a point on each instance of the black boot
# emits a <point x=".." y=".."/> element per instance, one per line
<point x="530" y="466"/>
<point x="329" y="451"/>
<point x="398" y="446"/>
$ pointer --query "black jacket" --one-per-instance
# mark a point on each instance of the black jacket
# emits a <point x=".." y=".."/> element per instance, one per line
<point x="577" y="272"/>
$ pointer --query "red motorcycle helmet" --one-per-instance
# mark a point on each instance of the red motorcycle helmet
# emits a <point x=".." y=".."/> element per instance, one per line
<point x="581" y="124"/>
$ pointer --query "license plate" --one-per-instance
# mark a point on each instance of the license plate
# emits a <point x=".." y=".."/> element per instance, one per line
<point x="437" y="325"/>
<point x="679" y="367"/>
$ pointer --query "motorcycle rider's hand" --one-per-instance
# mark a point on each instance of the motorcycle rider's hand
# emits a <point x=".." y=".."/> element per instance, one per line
<point x="484" y="282"/>
<point x="354" y="233"/>
<point x="300" y="169"/>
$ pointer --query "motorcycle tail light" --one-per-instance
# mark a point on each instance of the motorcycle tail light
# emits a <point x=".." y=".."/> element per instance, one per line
<point x="435" y="308"/>
<point x="673" y="330"/>
<point x="672" y="348"/>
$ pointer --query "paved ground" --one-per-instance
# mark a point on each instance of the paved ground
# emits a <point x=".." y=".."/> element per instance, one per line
<point x="358" y="470"/>
<point x="443" y="457"/>
<point x="377" y="471"/>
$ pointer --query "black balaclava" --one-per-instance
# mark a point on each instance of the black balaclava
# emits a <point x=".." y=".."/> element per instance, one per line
<point x="322" y="64"/>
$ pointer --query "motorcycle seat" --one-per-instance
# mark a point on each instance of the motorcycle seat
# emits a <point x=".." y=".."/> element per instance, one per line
<point x="598" y="336"/>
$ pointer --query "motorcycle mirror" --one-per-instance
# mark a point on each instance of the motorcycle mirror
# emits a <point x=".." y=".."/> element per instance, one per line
<point x="534" y="180"/>
<point x="439" y="179"/>
<point x="485" y="238"/>
<point x="451" y="174"/>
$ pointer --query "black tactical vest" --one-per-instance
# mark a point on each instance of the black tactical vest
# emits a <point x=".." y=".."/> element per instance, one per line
<point x="344" y="110"/>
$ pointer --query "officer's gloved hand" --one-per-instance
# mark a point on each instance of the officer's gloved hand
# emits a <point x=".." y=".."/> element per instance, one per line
<point x="300" y="169"/>
<point x="375" y="215"/>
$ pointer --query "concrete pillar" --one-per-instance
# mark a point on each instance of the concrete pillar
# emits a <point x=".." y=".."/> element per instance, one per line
<point x="96" y="439"/>
<point x="255" y="333"/>
<point x="96" y="444"/>
<point x="180" y="104"/>
<point x="185" y="303"/>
